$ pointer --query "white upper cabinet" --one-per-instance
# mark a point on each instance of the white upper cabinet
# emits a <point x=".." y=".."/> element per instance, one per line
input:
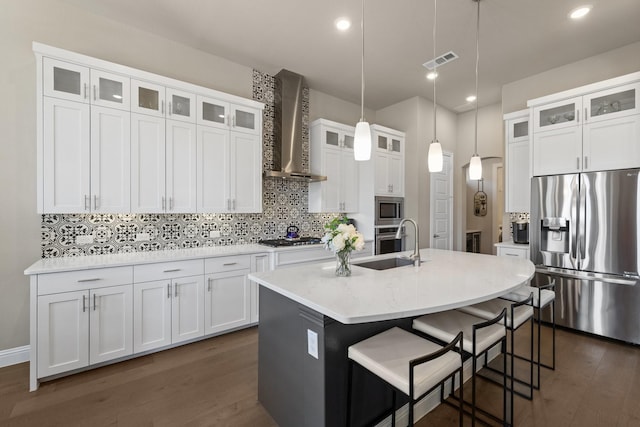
<point x="517" y="169"/>
<point x="160" y="101"/>
<point x="388" y="154"/>
<point x="79" y="83"/>
<point x="590" y="131"/>
<point x="332" y="156"/>
<point x="114" y="139"/>
<point x="229" y="171"/>
<point x="225" y="115"/>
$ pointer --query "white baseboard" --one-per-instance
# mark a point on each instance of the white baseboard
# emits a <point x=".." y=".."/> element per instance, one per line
<point x="13" y="356"/>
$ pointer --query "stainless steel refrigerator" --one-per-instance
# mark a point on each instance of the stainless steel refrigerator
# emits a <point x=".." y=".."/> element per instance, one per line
<point x="584" y="233"/>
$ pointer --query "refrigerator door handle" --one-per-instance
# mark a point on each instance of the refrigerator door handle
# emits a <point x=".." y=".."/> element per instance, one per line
<point x="582" y="217"/>
<point x="575" y="221"/>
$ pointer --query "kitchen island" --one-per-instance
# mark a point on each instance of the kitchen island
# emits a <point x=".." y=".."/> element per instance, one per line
<point x="309" y="317"/>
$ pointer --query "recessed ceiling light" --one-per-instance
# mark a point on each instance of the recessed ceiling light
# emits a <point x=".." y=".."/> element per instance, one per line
<point x="471" y="98"/>
<point x="432" y="75"/>
<point x="580" y="12"/>
<point x="343" y="24"/>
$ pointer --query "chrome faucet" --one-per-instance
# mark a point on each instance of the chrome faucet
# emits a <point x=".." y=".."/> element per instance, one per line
<point x="415" y="256"/>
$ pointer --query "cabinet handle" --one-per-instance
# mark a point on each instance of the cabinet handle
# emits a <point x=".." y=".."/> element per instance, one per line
<point x="94" y="302"/>
<point x="95" y="201"/>
<point x="209" y="284"/>
<point x="512" y="255"/>
<point x="586" y="116"/>
<point x="226" y="264"/>
<point x="169" y="109"/>
<point x="86" y="202"/>
<point x="168" y="290"/>
<point x="228" y="204"/>
<point x="84" y="303"/>
<point x="233" y="121"/>
<point x="170" y="203"/>
<point x="578" y="163"/>
<point x="94" y="279"/>
<point x="175" y="288"/>
<point x="234" y="204"/>
<point x="94" y="93"/>
<point x="163" y="203"/>
<point x="171" y="270"/>
<point x="586" y="162"/>
<point x="162" y="107"/>
<point x="577" y="116"/>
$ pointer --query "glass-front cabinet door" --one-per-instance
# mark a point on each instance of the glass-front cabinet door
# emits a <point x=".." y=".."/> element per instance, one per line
<point x="212" y="112"/>
<point x="181" y="105"/>
<point x="608" y="104"/>
<point x="382" y="143"/>
<point x="518" y="130"/>
<point x="64" y="80"/>
<point x="395" y="146"/>
<point x="110" y="90"/>
<point x="332" y="138"/>
<point x="147" y="98"/>
<point x="558" y="114"/>
<point x="245" y="119"/>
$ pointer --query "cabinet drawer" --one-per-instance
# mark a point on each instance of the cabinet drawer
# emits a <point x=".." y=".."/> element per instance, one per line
<point x="167" y="270"/>
<point x="302" y="256"/>
<point x="516" y="252"/>
<point x="52" y="283"/>
<point x="227" y="263"/>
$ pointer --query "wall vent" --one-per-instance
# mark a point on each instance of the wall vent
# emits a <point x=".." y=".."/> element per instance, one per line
<point x="440" y="60"/>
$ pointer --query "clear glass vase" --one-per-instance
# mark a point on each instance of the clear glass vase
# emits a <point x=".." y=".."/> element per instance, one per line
<point x="343" y="263"/>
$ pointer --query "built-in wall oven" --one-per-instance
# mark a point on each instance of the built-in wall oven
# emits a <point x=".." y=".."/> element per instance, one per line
<point x="389" y="212"/>
<point x="386" y="241"/>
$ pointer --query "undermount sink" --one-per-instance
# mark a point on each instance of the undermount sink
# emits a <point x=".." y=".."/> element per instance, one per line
<point x="385" y="264"/>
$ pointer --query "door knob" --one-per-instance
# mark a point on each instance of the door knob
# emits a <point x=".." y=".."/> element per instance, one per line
<point x="436" y="235"/>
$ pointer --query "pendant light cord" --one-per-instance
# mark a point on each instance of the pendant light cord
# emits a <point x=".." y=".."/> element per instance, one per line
<point x="362" y="68"/>
<point x="435" y="70"/>
<point x="475" y="153"/>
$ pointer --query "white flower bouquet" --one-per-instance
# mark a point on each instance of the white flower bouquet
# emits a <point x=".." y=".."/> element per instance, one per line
<point x="342" y="237"/>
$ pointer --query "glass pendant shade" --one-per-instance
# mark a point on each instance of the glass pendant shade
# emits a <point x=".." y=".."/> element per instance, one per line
<point x="362" y="142"/>
<point x="435" y="157"/>
<point x="475" y="167"/>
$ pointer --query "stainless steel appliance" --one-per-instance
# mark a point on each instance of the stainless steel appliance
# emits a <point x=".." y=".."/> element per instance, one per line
<point x="389" y="210"/>
<point x="386" y="241"/>
<point x="585" y="234"/>
<point x="520" y="231"/>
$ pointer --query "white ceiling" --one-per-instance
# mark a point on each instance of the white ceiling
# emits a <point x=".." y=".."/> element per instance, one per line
<point x="518" y="38"/>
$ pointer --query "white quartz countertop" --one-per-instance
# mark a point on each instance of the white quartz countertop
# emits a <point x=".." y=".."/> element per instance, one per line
<point x="54" y="265"/>
<point x="445" y="280"/>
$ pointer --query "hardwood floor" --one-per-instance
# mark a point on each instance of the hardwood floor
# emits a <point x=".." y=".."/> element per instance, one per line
<point x="214" y="383"/>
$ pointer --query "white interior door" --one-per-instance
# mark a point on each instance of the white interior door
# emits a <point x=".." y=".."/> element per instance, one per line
<point x="442" y="205"/>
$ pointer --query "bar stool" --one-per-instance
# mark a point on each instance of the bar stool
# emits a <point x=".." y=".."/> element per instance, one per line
<point x="479" y="337"/>
<point x="409" y="364"/>
<point x="542" y="297"/>
<point x="518" y="314"/>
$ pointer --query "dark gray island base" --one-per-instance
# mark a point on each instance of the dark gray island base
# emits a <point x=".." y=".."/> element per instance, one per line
<point x="299" y="390"/>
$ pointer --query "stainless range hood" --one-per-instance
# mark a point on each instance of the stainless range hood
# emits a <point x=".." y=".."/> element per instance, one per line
<point x="287" y="132"/>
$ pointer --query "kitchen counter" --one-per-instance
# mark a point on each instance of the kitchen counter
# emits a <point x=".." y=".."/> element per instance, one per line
<point x="445" y="280"/>
<point x="309" y="318"/>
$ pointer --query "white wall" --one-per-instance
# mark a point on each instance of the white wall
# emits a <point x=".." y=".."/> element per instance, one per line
<point x="323" y="106"/>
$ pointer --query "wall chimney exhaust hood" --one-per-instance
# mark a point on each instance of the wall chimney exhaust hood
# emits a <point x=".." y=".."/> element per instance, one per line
<point x="287" y="132"/>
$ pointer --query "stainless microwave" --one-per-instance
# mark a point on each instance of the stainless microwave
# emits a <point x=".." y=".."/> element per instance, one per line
<point x="389" y="210"/>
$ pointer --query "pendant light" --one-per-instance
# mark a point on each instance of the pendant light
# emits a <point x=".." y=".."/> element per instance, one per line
<point x="362" y="137"/>
<point x="435" y="149"/>
<point x="475" y="165"/>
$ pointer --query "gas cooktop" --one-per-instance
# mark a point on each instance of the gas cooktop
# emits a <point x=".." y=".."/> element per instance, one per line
<point x="300" y="241"/>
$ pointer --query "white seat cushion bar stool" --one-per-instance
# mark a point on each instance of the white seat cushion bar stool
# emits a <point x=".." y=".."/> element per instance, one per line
<point x="542" y="297"/>
<point x="410" y="364"/>
<point x="479" y="336"/>
<point x="518" y="313"/>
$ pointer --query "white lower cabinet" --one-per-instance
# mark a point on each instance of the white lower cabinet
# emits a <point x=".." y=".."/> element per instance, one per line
<point x="91" y="316"/>
<point x="78" y="325"/>
<point x="168" y="303"/>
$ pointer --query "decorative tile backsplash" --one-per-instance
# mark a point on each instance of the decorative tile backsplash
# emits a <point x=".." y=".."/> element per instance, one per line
<point x="284" y="203"/>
